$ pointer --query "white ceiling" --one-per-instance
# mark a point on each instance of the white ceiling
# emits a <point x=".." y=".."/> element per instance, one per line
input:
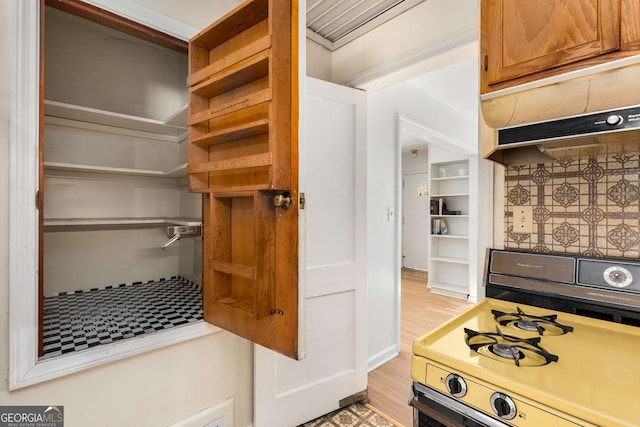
<point x="196" y="13"/>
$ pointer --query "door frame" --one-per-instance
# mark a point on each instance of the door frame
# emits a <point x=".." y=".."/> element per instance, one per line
<point x="24" y="367"/>
<point x="430" y="137"/>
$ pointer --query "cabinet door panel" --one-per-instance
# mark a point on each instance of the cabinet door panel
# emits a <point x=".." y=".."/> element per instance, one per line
<point x="243" y="151"/>
<point x="525" y="37"/>
<point x="630" y="24"/>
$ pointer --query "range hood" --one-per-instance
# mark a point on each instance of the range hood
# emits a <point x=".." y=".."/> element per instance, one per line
<point x="569" y="137"/>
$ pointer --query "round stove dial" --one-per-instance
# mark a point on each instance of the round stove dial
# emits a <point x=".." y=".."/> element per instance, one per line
<point x="503" y="406"/>
<point x="456" y="385"/>
<point x="618" y="277"/>
<point x="614" y="119"/>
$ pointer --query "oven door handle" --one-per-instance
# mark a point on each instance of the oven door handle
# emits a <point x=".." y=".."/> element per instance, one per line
<point x="449" y="403"/>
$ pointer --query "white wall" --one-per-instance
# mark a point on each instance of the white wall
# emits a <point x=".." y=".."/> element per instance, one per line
<point x="417" y="164"/>
<point x="318" y="61"/>
<point x="94" y="66"/>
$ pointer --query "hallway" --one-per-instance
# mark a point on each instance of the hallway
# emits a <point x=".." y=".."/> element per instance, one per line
<point x="421" y="311"/>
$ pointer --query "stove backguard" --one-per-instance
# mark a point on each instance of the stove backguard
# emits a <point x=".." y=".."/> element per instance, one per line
<point x="607" y="289"/>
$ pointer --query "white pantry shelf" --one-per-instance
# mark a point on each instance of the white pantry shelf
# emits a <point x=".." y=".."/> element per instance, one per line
<point x="98" y="223"/>
<point x="177" y="172"/>
<point x="94" y="116"/>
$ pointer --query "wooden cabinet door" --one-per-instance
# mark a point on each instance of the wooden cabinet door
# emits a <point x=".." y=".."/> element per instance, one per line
<point x="630" y="25"/>
<point x="524" y="37"/>
<point x="243" y="157"/>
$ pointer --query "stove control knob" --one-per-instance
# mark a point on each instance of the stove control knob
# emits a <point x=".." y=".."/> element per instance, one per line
<point x="503" y="406"/>
<point x="456" y="385"/>
<point x="614" y="119"/>
<point x="618" y="277"/>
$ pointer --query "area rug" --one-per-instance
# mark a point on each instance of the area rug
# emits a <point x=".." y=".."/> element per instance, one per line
<point x="356" y="415"/>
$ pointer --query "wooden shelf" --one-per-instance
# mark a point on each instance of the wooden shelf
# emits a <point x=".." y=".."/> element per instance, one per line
<point x="234" y="269"/>
<point x="108" y="118"/>
<point x="239" y="19"/>
<point x="249" y="107"/>
<point x="228" y="60"/>
<point x="222" y="191"/>
<point x="236" y="303"/>
<point x="178" y="172"/>
<point x="245" y="130"/>
<point x="98" y="223"/>
<point x="242" y="100"/>
<point x="239" y="74"/>
<point x="257" y="160"/>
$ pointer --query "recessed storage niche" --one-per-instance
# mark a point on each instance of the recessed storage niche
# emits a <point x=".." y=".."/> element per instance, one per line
<point x="449" y="220"/>
<point x="114" y="178"/>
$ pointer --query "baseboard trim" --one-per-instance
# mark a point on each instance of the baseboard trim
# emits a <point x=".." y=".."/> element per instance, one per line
<point x="382" y="357"/>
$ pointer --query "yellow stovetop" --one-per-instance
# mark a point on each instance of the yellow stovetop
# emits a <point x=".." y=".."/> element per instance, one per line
<point x="596" y="377"/>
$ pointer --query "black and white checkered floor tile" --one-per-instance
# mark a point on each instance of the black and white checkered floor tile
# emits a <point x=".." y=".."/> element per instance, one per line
<point x="79" y="320"/>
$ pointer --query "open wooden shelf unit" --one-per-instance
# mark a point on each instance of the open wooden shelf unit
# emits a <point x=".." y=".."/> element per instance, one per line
<point x="243" y="151"/>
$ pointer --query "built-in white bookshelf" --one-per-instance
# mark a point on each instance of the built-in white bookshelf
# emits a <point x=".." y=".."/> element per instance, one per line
<point x="449" y="228"/>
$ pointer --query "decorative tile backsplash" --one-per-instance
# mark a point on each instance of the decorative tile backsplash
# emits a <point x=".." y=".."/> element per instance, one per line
<point x="589" y="206"/>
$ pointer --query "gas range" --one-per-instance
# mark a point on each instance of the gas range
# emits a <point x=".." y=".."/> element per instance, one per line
<point x="504" y="362"/>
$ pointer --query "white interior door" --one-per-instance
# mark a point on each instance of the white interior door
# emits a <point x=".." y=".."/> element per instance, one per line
<point x="333" y="277"/>
<point x="415" y="224"/>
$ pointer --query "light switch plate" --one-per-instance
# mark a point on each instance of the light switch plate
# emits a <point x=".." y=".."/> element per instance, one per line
<point x="523" y="219"/>
<point x="390" y="213"/>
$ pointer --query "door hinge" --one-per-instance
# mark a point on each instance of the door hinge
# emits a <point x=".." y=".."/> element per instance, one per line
<point x="38" y="201"/>
<point x="303" y="201"/>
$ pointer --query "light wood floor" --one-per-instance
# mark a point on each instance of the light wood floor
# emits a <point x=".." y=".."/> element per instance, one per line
<point x="422" y="311"/>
